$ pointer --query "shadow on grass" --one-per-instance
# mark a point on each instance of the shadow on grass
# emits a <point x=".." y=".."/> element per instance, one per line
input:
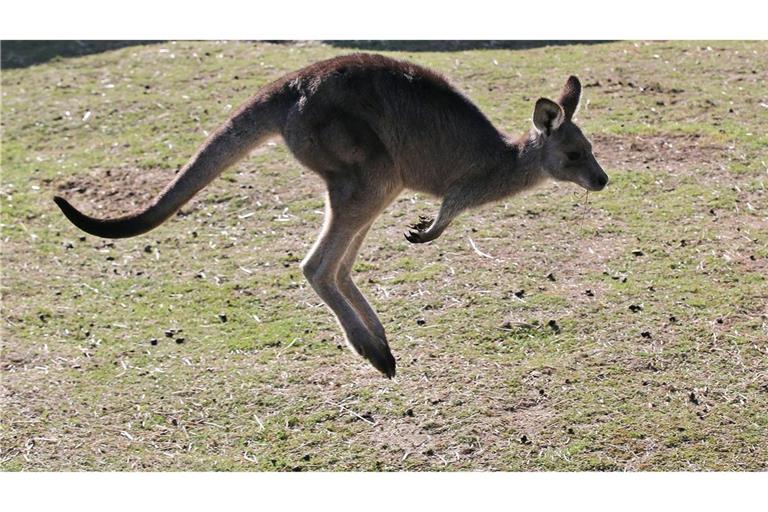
<point x="22" y="54"/>
<point x="449" y="46"/>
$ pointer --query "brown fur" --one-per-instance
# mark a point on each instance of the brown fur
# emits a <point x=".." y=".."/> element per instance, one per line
<point x="372" y="126"/>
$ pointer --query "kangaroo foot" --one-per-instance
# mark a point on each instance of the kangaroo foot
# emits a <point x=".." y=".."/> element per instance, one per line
<point x="375" y="349"/>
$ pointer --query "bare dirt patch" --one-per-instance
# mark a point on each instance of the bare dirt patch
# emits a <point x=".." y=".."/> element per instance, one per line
<point x="671" y="154"/>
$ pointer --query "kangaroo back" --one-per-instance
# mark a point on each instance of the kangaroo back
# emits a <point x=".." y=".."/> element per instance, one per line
<point x="253" y="123"/>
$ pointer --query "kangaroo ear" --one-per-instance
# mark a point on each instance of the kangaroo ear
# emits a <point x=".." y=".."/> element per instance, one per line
<point x="547" y="116"/>
<point x="569" y="98"/>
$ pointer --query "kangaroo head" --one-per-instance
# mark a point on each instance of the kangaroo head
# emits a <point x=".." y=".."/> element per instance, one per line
<point x="566" y="152"/>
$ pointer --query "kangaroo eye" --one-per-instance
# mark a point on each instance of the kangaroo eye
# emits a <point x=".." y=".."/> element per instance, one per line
<point x="573" y="155"/>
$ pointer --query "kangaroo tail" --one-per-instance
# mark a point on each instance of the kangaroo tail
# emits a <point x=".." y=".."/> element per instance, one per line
<point x="249" y="126"/>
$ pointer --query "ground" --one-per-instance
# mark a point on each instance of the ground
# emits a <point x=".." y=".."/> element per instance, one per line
<point x="623" y="330"/>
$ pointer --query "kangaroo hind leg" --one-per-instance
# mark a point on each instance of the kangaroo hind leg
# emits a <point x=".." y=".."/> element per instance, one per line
<point x="349" y="209"/>
<point x="352" y="292"/>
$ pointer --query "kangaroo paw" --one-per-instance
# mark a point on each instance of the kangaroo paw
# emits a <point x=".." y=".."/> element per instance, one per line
<point x="416" y="233"/>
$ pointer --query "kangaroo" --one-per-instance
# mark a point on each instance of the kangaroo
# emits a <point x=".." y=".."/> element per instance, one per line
<point x="372" y="126"/>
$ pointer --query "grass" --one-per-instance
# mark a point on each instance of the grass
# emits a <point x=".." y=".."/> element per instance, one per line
<point x="626" y="332"/>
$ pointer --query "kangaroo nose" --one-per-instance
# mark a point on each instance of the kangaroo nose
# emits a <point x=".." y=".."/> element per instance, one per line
<point x="601" y="182"/>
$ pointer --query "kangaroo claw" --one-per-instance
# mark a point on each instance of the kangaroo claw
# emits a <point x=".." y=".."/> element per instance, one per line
<point x="416" y="231"/>
<point x="413" y="237"/>
<point x="424" y="223"/>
